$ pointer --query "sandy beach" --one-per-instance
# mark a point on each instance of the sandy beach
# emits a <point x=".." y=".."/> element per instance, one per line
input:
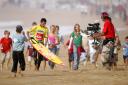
<point x="86" y="75"/>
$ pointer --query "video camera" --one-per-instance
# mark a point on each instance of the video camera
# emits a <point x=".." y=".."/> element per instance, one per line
<point x="94" y="28"/>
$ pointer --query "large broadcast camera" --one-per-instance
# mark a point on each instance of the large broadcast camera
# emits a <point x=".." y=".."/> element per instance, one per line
<point x="94" y="28"/>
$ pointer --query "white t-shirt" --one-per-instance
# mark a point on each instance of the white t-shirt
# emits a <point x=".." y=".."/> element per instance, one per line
<point x="91" y="49"/>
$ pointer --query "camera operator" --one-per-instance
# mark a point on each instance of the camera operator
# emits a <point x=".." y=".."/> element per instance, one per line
<point x="108" y="32"/>
<point x="108" y="29"/>
<point x="108" y="35"/>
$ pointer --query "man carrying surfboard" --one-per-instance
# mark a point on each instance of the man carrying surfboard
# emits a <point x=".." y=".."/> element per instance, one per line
<point x="40" y="34"/>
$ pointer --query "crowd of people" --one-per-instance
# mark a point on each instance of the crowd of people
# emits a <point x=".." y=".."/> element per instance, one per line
<point x="82" y="46"/>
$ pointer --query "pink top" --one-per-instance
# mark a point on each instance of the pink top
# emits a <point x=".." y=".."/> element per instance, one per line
<point x="52" y="39"/>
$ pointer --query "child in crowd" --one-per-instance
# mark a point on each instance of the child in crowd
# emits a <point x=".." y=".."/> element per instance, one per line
<point x="93" y="49"/>
<point x="32" y="52"/>
<point x="60" y="39"/>
<point x="29" y="53"/>
<point x="18" y="50"/>
<point x="117" y="47"/>
<point x="125" y="51"/>
<point x="6" y="45"/>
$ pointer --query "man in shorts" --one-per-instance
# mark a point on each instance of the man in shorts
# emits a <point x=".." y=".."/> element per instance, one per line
<point x="40" y="33"/>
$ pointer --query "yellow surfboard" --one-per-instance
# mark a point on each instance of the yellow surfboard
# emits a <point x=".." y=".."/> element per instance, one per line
<point x="45" y="52"/>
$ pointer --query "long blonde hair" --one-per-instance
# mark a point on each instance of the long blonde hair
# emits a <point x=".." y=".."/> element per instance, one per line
<point x="76" y="29"/>
<point x="53" y="29"/>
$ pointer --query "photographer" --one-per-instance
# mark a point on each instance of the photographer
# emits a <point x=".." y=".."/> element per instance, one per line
<point x="108" y="35"/>
<point x="108" y="29"/>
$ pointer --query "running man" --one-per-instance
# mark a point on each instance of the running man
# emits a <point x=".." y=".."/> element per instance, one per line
<point x="40" y="33"/>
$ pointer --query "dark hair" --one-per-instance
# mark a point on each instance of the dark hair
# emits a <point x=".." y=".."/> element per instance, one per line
<point x="43" y="20"/>
<point x="34" y="23"/>
<point x="19" y="28"/>
<point x="57" y="27"/>
<point x="107" y="17"/>
<point x="126" y="37"/>
<point x="6" y="32"/>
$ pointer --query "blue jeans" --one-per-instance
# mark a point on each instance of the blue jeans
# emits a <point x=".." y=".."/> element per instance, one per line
<point x="76" y="58"/>
<point x="54" y="49"/>
<point x="52" y="64"/>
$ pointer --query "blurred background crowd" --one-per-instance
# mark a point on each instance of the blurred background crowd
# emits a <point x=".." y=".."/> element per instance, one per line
<point x="117" y="8"/>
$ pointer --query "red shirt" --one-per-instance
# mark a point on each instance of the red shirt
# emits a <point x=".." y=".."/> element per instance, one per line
<point x="6" y="44"/>
<point x="109" y="30"/>
<point x="79" y="49"/>
<point x="70" y="51"/>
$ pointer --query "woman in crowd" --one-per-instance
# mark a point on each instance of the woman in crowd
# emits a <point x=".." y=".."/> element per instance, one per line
<point x="52" y="43"/>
